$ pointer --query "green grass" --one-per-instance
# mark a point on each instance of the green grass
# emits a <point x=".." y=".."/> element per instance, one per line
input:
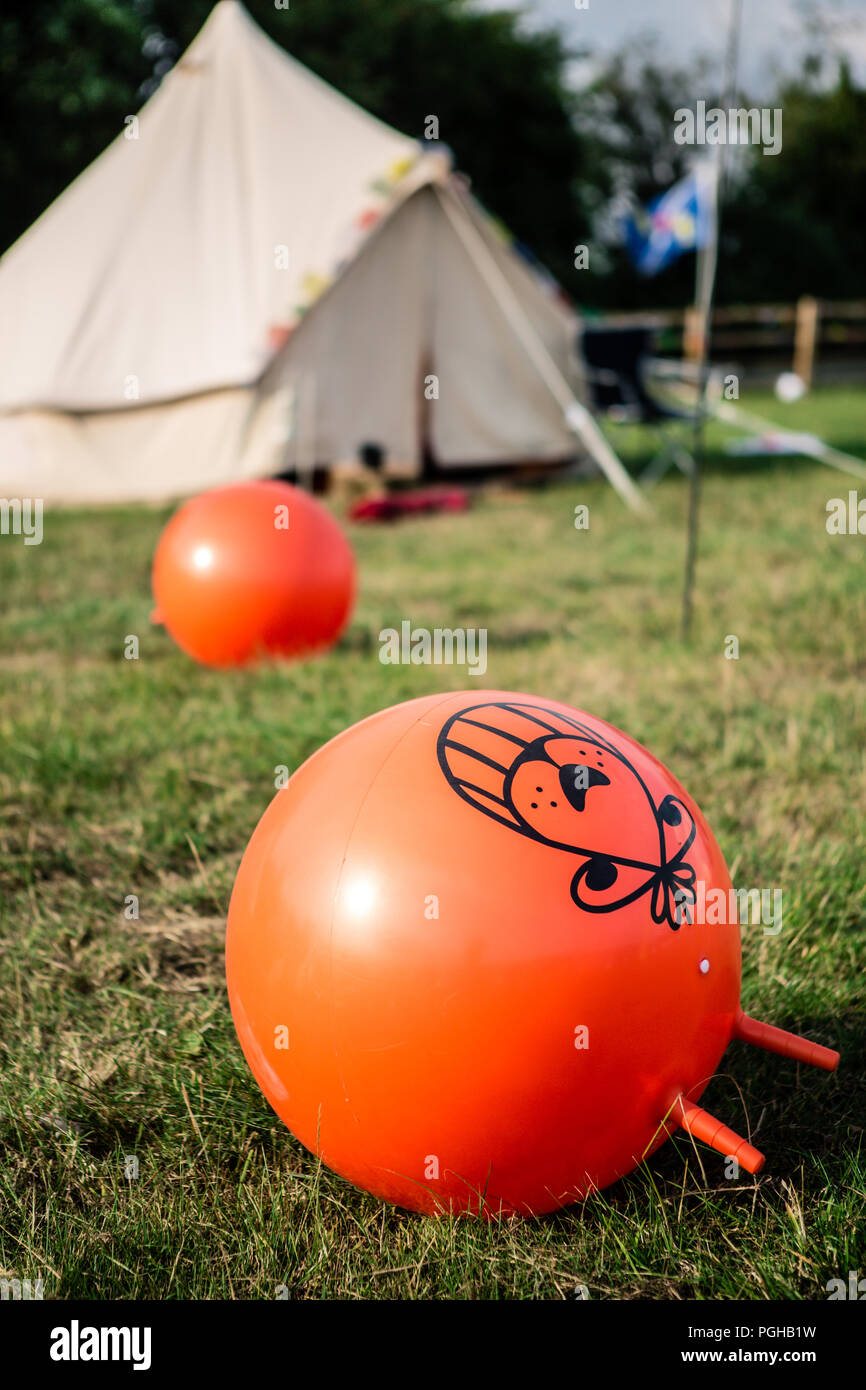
<point x="147" y="777"/>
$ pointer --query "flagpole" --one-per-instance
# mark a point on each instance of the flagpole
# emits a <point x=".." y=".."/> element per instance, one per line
<point x="705" y="285"/>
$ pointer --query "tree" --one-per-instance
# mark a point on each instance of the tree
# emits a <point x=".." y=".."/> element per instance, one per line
<point x="557" y="167"/>
<point x="69" y="73"/>
<point x="627" y="113"/>
<point x="791" y="223"/>
<point x="794" y="225"/>
<point x="500" y="94"/>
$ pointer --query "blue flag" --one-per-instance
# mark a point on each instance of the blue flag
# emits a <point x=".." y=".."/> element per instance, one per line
<point x="679" y="220"/>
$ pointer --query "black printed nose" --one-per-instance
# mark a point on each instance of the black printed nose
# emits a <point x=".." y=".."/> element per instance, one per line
<point x="575" y="779"/>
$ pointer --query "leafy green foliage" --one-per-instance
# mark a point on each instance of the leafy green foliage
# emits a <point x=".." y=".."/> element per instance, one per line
<point x="69" y="73"/>
<point x="499" y="93"/>
<point x="553" y="164"/>
<point x="807" y="205"/>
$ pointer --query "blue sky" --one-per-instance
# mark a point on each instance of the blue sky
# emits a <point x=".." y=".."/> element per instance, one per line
<point x="772" y="32"/>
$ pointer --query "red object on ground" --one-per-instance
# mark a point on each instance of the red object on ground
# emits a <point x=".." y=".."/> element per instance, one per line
<point x="256" y="569"/>
<point x="400" y="504"/>
<point x="464" y="960"/>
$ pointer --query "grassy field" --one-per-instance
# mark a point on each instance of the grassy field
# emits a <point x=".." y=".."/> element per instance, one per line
<point x="147" y="777"/>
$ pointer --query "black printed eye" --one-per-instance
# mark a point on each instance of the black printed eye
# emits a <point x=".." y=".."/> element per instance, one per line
<point x="600" y="875"/>
<point x="670" y="812"/>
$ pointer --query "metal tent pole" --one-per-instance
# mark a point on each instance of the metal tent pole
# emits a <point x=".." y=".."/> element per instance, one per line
<point x="706" y="291"/>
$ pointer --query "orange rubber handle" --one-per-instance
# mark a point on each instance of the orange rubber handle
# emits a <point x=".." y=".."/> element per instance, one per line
<point x="764" y="1035"/>
<point x="711" y="1131"/>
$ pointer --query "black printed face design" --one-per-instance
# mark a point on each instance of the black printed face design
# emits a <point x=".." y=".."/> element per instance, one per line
<point x="552" y="778"/>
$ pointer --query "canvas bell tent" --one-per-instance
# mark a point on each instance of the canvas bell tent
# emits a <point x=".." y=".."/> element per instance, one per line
<point x="258" y="275"/>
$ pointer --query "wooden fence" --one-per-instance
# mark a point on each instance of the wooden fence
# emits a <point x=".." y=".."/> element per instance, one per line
<point x="800" y="333"/>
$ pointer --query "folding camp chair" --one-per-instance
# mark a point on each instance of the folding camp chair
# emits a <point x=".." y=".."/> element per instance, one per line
<point x="616" y="367"/>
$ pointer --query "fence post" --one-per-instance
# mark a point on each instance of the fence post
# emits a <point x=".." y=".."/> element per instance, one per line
<point x="805" y="337"/>
<point x="692" y="334"/>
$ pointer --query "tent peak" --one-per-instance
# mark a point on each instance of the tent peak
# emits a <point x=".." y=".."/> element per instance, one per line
<point x="227" y="18"/>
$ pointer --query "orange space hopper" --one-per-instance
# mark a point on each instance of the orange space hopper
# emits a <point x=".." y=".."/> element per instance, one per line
<point x="465" y="963"/>
<point x="253" y="570"/>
